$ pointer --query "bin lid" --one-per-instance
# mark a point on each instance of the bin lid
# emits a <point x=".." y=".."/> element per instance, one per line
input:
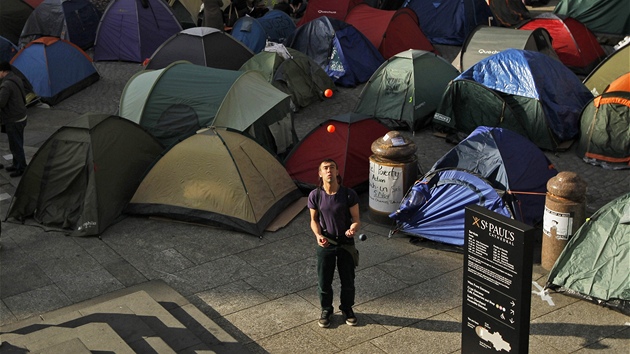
<point x="394" y="146"/>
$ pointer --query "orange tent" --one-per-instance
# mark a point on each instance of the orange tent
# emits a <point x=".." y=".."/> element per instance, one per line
<point x="622" y="83"/>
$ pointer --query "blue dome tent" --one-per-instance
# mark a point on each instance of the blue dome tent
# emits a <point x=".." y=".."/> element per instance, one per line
<point x="56" y="68"/>
<point x="511" y="163"/>
<point x="434" y="207"/>
<point x="251" y="33"/>
<point x="494" y="168"/>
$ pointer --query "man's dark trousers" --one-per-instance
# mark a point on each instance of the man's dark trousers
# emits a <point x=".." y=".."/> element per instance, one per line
<point x="327" y="259"/>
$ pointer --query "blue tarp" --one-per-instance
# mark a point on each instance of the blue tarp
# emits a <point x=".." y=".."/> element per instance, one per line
<point x="435" y="206"/>
<point x="537" y="76"/>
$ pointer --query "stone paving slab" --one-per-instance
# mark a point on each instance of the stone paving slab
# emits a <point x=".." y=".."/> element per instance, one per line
<point x="572" y="329"/>
<point x="272" y="317"/>
<point x="75" y="346"/>
<point x="94" y="337"/>
<point x="232" y="297"/>
<point x="437" y="334"/>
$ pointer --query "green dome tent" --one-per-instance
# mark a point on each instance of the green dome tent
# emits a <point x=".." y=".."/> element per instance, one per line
<point x="408" y="88"/>
<point x="298" y="76"/>
<point x="594" y="263"/>
<point x="600" y="16"/>
<point x="174" y="102"/>
<point x="85" y="174"/>
<point x="605" y="131"/>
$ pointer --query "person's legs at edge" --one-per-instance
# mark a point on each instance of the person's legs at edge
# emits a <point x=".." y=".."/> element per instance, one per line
<point x="15" y="135"/>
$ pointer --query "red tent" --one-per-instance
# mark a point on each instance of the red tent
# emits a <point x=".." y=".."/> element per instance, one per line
<point x="576" y="46"/>
<point x="331" y="8"/>
<point x="350" y="145"/>
<point x="391" y="32"/>
<point x="33" y="3"/>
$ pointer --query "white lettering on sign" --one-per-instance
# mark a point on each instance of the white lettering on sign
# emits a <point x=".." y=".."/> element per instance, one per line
<point x="386" y="187"/>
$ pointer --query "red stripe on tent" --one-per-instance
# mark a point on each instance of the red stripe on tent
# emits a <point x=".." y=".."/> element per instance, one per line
<point x="47" y="41"/>
<point x="608" y="158"/>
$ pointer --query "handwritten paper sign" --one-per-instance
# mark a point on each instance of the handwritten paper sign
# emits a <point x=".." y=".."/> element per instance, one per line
<point x="386" y="187"/>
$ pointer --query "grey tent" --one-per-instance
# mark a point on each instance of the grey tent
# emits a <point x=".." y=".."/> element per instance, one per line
<point x="84" y="175"/>
<point x="202" y="46"/>
<point x="73" y="20"/>
<point x="594" y="263"/>
<point x="186" y="18"/>
<point x="485" y="41"/>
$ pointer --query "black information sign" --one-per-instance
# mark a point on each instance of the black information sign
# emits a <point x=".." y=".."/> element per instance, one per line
<point x="497" y="283"/>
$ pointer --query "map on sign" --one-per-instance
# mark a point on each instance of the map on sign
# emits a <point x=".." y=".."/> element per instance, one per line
<point x="494" y="338"/>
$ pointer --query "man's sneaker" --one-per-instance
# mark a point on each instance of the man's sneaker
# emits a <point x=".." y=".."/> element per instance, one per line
<point x="351" y="319"/>
<point x="324" y="319"/>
